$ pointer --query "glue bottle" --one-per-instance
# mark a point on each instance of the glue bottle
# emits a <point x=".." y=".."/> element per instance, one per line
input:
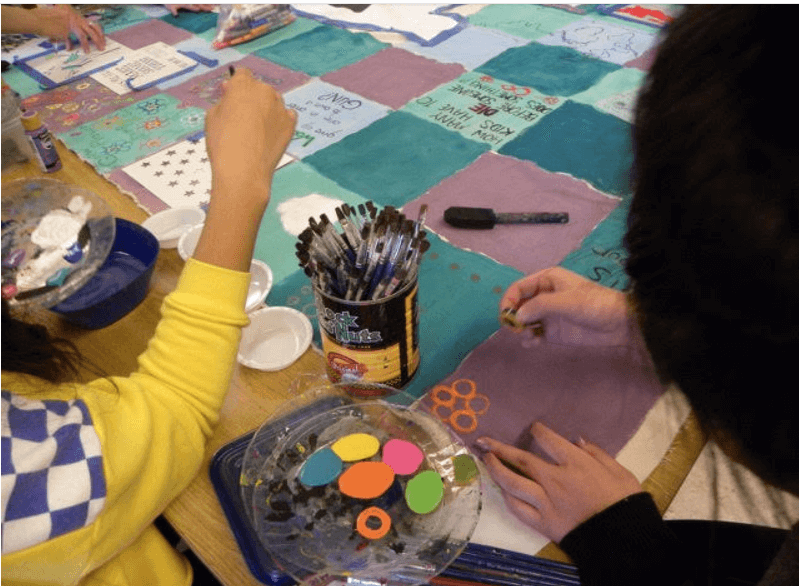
<point x="42" y="141"/>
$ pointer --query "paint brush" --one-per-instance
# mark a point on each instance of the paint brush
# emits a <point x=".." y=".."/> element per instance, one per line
<point x="486" y="218"/>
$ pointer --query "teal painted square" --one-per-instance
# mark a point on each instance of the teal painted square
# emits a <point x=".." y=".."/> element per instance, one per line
<point x="195" y="22"/>
<point x="583" y="142"/>
<point x="296" y="28"/>
<point x="134" y="132"/>
<point x="556" y="71"/>
<point x="616" y="93"/>
<point x="22" y="83"/>
<point x="602" y="255"/>
<point x="527" y="21"/>
<point x="395" y="159"/>
<point x="481" y="109"/>
<point x="321" y="50"/>
<point x="459" y="293"/>
<point x="275" y="244"/>
<point x="128" y="16"/>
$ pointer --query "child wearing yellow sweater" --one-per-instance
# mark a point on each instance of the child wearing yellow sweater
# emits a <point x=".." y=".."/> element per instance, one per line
<point x="87" y="468"/>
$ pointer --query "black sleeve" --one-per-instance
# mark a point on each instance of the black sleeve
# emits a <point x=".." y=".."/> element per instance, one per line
<point x="627" y="544"/>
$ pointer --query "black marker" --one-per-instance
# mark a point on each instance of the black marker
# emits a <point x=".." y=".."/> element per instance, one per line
<point x="486" y="218"/>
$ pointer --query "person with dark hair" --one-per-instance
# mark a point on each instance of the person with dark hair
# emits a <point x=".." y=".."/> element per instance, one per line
<point x="713" y="242"/>
<point x="86" y="468"/>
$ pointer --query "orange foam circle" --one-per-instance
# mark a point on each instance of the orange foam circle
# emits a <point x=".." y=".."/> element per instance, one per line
<point x="373" y="513"/>
<point x="366" y="480"/>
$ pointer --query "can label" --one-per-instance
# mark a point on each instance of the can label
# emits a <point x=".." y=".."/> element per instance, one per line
<point x="375" y="341"/>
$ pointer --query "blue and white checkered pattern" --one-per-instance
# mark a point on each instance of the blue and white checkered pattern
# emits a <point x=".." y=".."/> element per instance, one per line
<point x="52" y="470"/>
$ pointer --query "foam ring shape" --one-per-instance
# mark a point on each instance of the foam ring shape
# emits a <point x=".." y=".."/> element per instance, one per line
<point x="361" y="524"/>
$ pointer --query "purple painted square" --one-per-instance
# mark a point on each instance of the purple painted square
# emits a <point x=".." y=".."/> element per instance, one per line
<point x="511" y="185"/>
<point x="393" y="76"/>
<point x="66" y="107"/>
<point x="205" y="90"/>
<point x="147" y="33"/>
<point x="592" y="390"/>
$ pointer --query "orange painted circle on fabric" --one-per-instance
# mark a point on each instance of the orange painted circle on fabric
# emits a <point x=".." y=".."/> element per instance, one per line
<point x="362" y="523"/>
<point x="455" y="420"/>
<point x="449" y="396"/>
<point x="468" y="384"/>
<point x="366" y="480"/>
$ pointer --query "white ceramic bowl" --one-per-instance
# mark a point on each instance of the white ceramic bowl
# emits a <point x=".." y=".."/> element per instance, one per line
<point x="169" y="225"/>
<point x="275" y="338"/>
<point x="260" y="284"/>
<point x="188" y="241"/>
<point x="261" y="274"/>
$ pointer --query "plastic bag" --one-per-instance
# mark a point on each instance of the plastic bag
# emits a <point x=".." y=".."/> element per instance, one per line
<point x="239" y="23"/>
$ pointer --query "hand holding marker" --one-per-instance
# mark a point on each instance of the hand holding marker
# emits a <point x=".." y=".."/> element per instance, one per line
<point x="374" y="255"/>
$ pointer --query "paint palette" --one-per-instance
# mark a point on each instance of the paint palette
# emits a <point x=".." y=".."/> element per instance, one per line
<point x="55" y="237"/>
<point x="366" y="491"/>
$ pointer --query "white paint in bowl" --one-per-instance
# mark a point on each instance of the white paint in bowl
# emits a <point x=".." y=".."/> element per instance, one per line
<point x="260" y="284"/>
<point x="169" y="225"/>
<point x="275" y="338"/>
<point x="188" y="241"/>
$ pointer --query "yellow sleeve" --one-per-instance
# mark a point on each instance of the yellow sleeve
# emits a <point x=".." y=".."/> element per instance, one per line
<point x="154" y="427"/>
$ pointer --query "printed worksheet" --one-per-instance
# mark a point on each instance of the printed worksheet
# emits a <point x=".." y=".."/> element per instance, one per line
<point x="62" y="66"/>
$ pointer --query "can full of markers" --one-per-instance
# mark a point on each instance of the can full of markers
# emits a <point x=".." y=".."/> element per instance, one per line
<point x="375" y="341"/>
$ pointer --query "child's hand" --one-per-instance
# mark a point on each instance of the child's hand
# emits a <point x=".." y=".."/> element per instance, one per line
<point x="246" y="134"/>
<point x="555" y="498"/>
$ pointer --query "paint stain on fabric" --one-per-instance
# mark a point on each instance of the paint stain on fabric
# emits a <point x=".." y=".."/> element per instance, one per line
<point x="356" y="446"/>
<point x="403" y="456"/>
<point x="294" y="212"/>
<point x="424" y="492"/>
<point x="366" y="480"/>
<point x="321" y="468"/>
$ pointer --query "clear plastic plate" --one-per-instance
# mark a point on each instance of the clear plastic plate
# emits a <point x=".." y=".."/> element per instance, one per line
<point x="26" y="202"/>
<point x="310" y="532"/>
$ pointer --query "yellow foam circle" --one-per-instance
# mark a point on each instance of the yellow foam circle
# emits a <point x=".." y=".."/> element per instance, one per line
<point x="356" y="446"/>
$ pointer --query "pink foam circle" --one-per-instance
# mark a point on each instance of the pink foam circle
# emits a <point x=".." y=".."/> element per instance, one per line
<point x="403" y="456"/>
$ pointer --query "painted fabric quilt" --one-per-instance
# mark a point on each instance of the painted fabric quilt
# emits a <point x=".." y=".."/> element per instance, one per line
<point x="518" y="108"/>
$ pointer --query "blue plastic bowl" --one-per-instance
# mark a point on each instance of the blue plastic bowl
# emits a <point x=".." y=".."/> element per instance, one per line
<point x="119" y="285"/>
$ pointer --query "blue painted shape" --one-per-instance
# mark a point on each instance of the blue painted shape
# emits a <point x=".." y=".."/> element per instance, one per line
<point x="556" y="71"/>
<point x="395" y="159"/>
<point x="602" y="255"/>
<point x="321" y="468"/>
<point x="321" y="50"/>
<point x="583" y="142"/>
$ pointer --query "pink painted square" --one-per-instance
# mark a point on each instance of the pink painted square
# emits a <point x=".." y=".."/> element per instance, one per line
<point x="393" y="77"/>
<point x="506" y="184"/>
<point x="147" y="33"/>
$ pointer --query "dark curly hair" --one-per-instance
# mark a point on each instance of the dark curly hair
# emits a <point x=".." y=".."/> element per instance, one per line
<point x="31" y="349"/>
<point x="713" y="229"/>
